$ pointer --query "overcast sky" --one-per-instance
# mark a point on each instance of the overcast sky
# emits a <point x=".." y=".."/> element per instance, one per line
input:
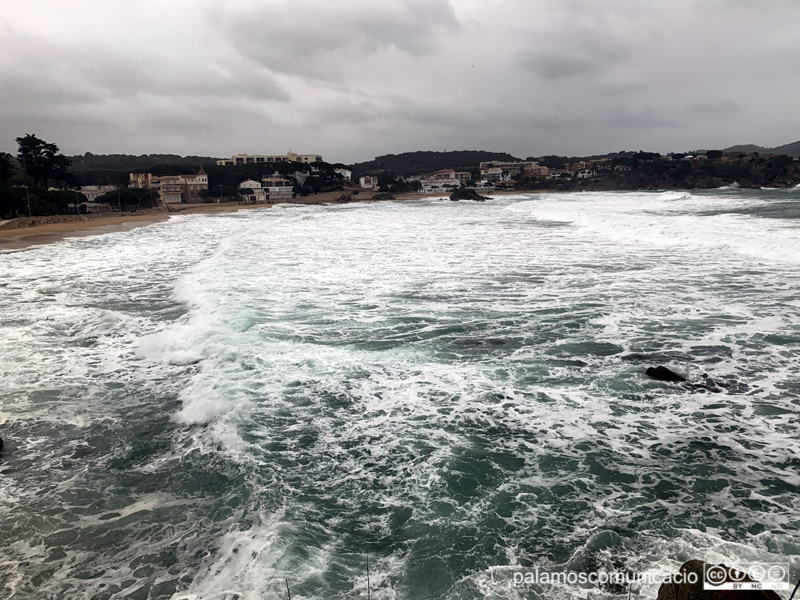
<point x="353" y="79"/>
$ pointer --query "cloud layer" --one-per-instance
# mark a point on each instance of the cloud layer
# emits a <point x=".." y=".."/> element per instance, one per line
<point x="357" y="78"/>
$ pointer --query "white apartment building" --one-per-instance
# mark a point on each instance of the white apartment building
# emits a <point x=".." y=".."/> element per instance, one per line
<point x="247" y="159"/>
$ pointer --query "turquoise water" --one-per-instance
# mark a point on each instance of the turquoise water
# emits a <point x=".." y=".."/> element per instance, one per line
<point x="212" y="406"/>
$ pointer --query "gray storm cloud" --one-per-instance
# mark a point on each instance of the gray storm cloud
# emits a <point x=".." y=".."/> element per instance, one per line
<point x="358" y="78"/>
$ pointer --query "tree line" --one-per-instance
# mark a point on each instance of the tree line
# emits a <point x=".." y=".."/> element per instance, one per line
<point x="25" y="179"/>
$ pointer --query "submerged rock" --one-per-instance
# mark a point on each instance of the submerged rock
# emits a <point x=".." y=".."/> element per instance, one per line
<point x="467" y="194"/>
<point x="662" y="373"/>
<point x="691" y="585"/>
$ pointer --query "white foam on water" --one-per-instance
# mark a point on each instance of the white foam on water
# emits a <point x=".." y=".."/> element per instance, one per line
<point x="418" y="377"/>
<point x="651" y="219"/>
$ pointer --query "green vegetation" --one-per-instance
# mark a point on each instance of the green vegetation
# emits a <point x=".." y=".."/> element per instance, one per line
<point x="24" y="180"/>
<point x="130" y="162"/>
<point x="391" y="185"/>
<point x="792" y="149"/>
<point x="41" y="161"/>
<point x="222" y="192"/>
<point x="417" y="163"/>
<point x="7" y="168"/>
<point x="644" y="170"/>
<point x="130" y="199"/>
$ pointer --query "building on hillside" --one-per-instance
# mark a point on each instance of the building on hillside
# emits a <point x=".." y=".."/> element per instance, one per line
<point x="277" y="188"/>
<point x="255" y="191"/>
<point x="444" y="181"/>
<point x="536" y="171"/>
<point x="368" y="182"/>
<point x="173" y="189"/>
<point x="600" y="164"/>
<point x="299" y="177"/>
<point x="93" y="191"/>
<point x="496" y="174"/>
<point x="585" y="174"/>
<point x="495" y="170"/>
<point x="346" y="174"/>
<point x="248" y="159"/>
<point x="578" y="166"/>
<point x="560" y="174"/>
<point x="452" y="176"/>
<point x="142" y="181"/>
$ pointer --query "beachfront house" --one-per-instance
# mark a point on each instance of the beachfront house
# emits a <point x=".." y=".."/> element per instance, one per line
<point x="255" y="191"/>
<point x="346" y="174"/>
<point x="368" y="182"/>
<point x="93" y="191"/>
<point x="173" y="189"/>
<point x="277" y="188"/>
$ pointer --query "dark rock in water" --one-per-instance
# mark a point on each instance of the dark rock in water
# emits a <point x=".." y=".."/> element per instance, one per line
<point x="1" y="444"/>
<point x="704" y="386"/>
<point x="467" y="194"/>
<point x="693" y="573"/>
<point x="662" y="373"/>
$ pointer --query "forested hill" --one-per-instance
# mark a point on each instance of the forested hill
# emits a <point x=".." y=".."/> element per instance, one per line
<point x="792" y="149"/>
<point x="414" y="163"/>
<point x="130" y="162"/>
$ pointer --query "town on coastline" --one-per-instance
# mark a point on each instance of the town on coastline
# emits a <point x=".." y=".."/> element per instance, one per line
<point x="40" y="181"/>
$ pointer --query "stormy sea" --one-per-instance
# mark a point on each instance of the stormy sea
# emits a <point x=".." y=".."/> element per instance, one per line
<point x="407" y="400"/>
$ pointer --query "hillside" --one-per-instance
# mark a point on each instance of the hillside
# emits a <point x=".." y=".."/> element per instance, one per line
<point x="746" y="148"/>
<point x="130" y="162"/>
<point x="414" y="163"/>
<point x="792" y="149"/>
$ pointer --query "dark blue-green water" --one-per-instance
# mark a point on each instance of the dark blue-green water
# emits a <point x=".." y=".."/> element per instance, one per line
<point x="209" y="407"/>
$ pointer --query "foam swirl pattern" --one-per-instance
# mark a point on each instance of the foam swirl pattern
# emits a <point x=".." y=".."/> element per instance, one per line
<point x="218" y="403"/>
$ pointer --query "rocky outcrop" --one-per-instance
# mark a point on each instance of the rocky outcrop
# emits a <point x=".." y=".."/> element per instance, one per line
<point x="690" y="585"/>
<point x="662" y="373"/>
<point x="467" y="194"/>
<point x="1" y="444"/>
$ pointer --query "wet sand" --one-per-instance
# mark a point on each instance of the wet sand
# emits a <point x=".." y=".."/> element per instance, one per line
<point x="17" y="239"/>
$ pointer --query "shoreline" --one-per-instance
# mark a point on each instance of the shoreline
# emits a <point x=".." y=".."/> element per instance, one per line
<point x="38" y="235"/>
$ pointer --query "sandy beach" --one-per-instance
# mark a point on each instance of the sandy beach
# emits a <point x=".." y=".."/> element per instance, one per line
<point x="21" y="238"/>
<point x="18" y="239"/>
